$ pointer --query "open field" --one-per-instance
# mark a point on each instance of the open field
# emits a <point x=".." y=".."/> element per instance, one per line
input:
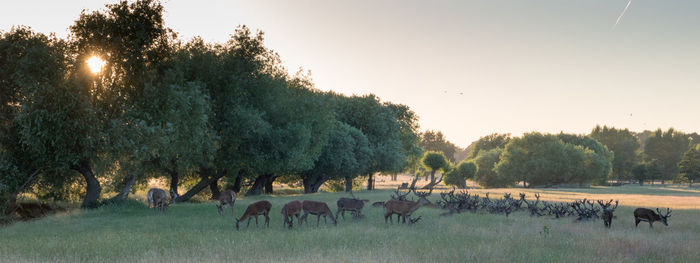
<point x="194" y="232"/>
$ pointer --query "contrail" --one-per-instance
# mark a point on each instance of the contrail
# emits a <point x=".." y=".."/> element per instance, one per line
<point x="620" y="17"/>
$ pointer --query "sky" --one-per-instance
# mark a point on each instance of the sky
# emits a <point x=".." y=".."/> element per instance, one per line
<point x="467" y="68"/>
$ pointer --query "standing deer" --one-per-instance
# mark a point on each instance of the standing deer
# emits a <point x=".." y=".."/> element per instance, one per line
<point x="227" y="197"/>
<point x="350" y="204"/>
<point x="316" y="208"/>
<point x="607" y="212"/>
<point x="404" y="208"/>
<point x="159" y="199"/>
<point x="289" y="210"/>
<point x="254" y="210"/>
<point x="647" y="215"/>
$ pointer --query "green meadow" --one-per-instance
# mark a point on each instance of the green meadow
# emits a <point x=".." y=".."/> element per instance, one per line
<point x="195" y="232"/>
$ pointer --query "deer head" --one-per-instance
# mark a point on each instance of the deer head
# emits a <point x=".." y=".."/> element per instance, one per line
<point x="664" y="218"/>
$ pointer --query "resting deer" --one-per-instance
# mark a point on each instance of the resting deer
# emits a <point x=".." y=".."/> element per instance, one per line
<point x="607" y="212"/>
<point x="289" y="210"/>
<point x="227" y="197"/>
<point x="159" y="199"/>
<point x="404" y="208"/>
<point x="647" y="215"/>
<point x="254" y="210"/>
<point x="350" y="204"/>
<point x="316" y="208"/>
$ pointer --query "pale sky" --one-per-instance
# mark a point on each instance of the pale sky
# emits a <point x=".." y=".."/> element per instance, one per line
<point x="467" y="68"/>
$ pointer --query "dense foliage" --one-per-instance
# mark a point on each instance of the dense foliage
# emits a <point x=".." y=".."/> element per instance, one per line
<point x="187" y="111"/>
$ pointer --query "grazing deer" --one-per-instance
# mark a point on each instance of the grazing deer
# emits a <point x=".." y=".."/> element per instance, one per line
<point x="159" y="199"/>
<point x="647" y="215"/>
<point x="254" y="210"/>
<point x="350" y="204"/>
<point x="316" y="208"/>
<point x="289" y="210"/>
<point x="404" y="208"/>
<point x="607" y="212"/>
<point x="227" y="197"/>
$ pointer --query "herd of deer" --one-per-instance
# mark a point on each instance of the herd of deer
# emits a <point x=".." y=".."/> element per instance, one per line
<point x="404" y="208"/>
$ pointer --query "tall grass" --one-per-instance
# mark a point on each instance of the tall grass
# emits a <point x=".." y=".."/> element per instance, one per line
<point x="196" y="233"/>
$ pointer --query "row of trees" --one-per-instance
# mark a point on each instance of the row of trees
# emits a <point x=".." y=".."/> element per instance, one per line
<point x="190" y="111"/>
<point x="537" y="159"/>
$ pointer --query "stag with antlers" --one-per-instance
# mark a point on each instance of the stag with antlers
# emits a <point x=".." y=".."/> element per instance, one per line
<point x="647" y="215"/>
<point x="607" y="212"/>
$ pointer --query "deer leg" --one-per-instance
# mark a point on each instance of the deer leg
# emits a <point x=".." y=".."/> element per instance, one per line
<point x="267" y="220"/>
<point x="650" y="224"/>
<point x="386" y="216"/>
<point x="318" y="219"/>
<point x="249" y="218"/>
<point x="636" y="222"/>
<point x="303" y="218"/>
<point x="232" y="211"/>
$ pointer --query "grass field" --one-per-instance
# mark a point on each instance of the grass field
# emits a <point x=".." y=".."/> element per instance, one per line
<point x="194" y="232"/>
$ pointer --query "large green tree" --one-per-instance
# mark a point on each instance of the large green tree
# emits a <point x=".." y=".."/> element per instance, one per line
<point x="544" y="159"/>
<point x="458" y="175"/>
<point x="489" y="142"/>
<point x="667" y="149"/>
<point x="345" y="156"/>
<point x="436" y="141"/>
<point x="623" y="144"/>
<point x="690" y="164"/>
<point x="486" y="173"/>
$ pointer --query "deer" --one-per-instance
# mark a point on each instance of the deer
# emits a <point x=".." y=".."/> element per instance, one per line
<point x="607" y="212"/>
<point x="289" y="210"/>
<point x="159" y="199"/>
<point x="647" y="215"/>
<point x="353" y="204"/>
<point x="254" y="210"/>
<point x="317" y="208"/>
<point x="404" y="208"/>
<point x="227" y="197"/>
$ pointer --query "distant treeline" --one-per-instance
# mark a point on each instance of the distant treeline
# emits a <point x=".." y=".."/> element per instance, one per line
<point x="542" y="160"/>
<point x="201" y="115"/>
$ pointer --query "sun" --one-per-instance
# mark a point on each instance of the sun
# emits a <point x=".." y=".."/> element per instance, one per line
<point x="95" y="64"/>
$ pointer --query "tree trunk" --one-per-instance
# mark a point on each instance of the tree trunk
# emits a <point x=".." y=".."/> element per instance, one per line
<point x="237" y="181"/>
<point x="258" y="185"/>
<point x="93" y="189"/>
<point x="432" y="177"/>
<point x="370" y="182"/>
<point x="641" y="182"/>
<point x="690" y="183"/>
<point x="174" y="182"/>
<point x="11" y="204"/>
<point x="662" y="182"/>
<point x="128" y="182"/>
<point x="203" y="183"/>
<point x="268" y="185"/>
<point x="215" y="192"/>
<point x="312" y="185"/>
<point x="348" y="184"/>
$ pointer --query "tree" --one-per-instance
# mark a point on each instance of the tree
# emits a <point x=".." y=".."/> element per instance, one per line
<point x="486" y="174"/>
<point x="545" y="159"/>
<point x="434" y="161"/>
<point x="489" y="142"/>
<point x="639" y="173"/>
<point x="667" y="149"/>
<point x="379" y="123"/>
<point x="598" y="160"/>
<point x="690" y="164"/>
<point x="459" y="175"/>
<point x="625" y="146"/>
<point x="344" y="157"/>
<point x="436" y="141"/>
